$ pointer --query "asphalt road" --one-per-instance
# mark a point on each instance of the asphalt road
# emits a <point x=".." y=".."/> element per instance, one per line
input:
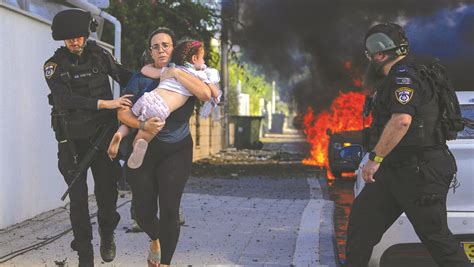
<point x="250" y="208"/>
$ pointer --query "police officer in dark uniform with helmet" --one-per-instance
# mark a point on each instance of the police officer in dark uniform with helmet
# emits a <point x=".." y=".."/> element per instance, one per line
<point x="83" y="107"/>
<point x="410" y="167"/>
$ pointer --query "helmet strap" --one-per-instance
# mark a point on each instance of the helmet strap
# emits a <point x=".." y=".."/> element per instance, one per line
<point x="378" y="65"/>
<point x="81" y="49"/>
<point x="83" y="45"/>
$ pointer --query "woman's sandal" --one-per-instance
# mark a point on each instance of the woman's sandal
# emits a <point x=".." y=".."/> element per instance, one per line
<point x="153" y="258"/>
<point x="136" y="158"/>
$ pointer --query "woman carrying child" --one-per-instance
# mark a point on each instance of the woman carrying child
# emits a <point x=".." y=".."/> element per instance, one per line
<point x="167" y="162"/>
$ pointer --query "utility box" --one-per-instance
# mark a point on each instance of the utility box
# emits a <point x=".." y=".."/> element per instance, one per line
<point x="247" y="132"/>
<point x="277" y="123"/>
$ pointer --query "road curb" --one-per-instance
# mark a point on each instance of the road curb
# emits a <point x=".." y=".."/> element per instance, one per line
<point x="327" y="237"/>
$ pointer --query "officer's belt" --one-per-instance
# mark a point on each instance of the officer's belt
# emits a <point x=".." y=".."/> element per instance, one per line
<point x="432" y="154"/>
<point x="416" y="157"/>
<point x="94" y="116"/>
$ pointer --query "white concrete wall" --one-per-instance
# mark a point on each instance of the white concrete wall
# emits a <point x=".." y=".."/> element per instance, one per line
<point x="30" y="182"/>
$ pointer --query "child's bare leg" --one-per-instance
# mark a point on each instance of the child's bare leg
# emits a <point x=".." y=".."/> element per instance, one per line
<point x="144" y="135"/>
<point x="140" y="145"/>
<point x="122" y="131"/>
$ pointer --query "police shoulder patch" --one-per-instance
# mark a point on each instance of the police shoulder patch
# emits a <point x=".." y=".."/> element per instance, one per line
<point x="49" y="69"/>
<point x="404" y="94"/>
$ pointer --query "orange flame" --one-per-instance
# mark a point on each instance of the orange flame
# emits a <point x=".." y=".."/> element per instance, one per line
<point x="345" y="114"/>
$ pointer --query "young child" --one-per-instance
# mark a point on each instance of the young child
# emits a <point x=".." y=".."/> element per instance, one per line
<point x="166" y="98"/>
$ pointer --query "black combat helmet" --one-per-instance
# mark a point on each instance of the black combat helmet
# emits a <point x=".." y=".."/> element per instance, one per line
<point x="72" y="23"/>
<point x="385" y="37"/>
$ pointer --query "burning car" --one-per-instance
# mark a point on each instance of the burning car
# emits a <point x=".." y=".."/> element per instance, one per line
<point x="400" y="246"/>
<point x="342" y="116"/>
<point x="338" y="163"/>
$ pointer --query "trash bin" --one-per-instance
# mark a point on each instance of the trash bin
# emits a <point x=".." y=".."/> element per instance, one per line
<point x="247" y="132"/>
<point x="277" y="123"/>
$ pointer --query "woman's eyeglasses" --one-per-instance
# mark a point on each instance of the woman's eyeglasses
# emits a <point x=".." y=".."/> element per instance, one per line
<point x="157" y="47"/>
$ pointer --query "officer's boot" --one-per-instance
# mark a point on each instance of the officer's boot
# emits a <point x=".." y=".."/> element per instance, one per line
<point x="86" y="259"/>
<point x="107" y="245"/>
<point x="86" y="256"/>
<point x="85" y="253"/>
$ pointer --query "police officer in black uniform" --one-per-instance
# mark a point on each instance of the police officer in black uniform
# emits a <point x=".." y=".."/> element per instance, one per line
<point x="83" y="106"/>
<point x="410" y="167"/>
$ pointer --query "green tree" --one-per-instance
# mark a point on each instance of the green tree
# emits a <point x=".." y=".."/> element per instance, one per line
<point x="252" y="83"/>
<point x="186" y="18"/>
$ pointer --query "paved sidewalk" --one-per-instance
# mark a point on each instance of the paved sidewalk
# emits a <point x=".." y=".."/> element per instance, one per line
<point x="249" y="221"/>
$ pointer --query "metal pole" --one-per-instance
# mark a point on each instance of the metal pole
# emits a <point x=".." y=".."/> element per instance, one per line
<point x="273" y="97"/>
<point x="225" y="12"/>
<point x="117" y="43"/>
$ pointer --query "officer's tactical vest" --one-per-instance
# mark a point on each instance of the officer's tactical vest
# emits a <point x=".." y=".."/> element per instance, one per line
<point x="89" y="80"/>
<point x="423" y="128"/>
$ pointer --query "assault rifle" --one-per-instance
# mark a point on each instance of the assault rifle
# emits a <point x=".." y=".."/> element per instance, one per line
<point x="88" y="158"/>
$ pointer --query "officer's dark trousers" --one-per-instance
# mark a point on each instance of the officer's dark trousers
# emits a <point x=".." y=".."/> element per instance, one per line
<point x="106" y="174"/>
<point x="163" y="175"/>
<point x="379" y="204"/>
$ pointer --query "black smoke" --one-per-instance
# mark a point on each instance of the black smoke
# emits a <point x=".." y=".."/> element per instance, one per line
<point x="303" y="43"/>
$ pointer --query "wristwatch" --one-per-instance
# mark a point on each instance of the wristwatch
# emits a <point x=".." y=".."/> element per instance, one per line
<point x="374" y="157"/>
<point x="142" y="125"/>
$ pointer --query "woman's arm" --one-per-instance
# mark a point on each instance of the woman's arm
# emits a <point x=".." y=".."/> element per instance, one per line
<point x="126" y="116"/>
<point x="151" y="72"/>
<point x="214" y="90"/>
<point x="197" y="87"/>
<point x="152" y="125"/>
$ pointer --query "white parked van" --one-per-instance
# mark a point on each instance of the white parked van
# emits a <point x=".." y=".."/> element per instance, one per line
<point x="400" y="246"/>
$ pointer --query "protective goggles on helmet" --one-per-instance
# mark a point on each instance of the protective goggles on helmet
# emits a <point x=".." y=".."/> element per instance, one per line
<point x="379" y="42"/>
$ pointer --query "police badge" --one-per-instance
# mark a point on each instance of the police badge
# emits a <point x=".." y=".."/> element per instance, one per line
<point x="49" y="69"/>
<point x="404" y="94"/>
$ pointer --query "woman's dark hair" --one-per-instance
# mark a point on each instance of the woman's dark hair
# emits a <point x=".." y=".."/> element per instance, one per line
<point x="185" y="50"/>
<point x="162" y="30"/>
